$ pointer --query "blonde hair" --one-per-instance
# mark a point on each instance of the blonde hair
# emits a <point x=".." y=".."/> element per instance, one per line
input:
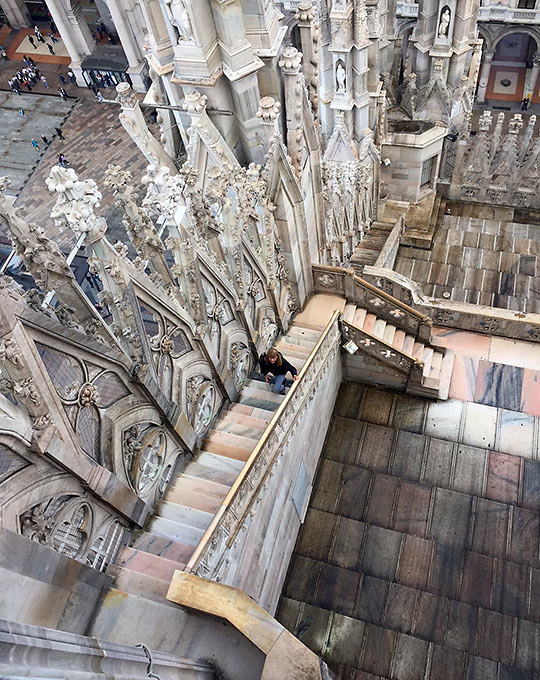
<point x="272" y="352"/>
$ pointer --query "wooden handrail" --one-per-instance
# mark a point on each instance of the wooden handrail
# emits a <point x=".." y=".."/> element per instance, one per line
<point x="254" y="454"/>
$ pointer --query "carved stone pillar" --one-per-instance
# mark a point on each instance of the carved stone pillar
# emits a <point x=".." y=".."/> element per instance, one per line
<point x="74" y="31"/>
<point x="306" y="14"/>
<point x="484" y="77"/>
<point x="128" y="43"/>
<point x="16" y="13"/>
<point x="532" y="80"/>
<point x="291" y="60"/>
<point x="132" y="119"/>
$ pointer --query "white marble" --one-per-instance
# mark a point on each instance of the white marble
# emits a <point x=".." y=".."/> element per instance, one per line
<point x="480" y="425"/>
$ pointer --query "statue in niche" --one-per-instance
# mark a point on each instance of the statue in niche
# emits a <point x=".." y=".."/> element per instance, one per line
<point x="444" y="23"/>
<point x="341" y="77"/>
<point x="178" y="15"/>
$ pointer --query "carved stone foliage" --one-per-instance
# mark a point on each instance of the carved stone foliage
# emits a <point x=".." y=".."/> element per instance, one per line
<point x="241" y="363"/>
<point x="85" y="391"/>
<point x="200" y="401"/>
<point x="144" y="449"/>
<point x="218" y="311"/>
<point x="268" y="333"/>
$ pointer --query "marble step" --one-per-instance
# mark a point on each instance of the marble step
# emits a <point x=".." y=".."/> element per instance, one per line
<point x="298" y="350"/>
<point x="389" y="333"/>
<point x="445" y="375"/>
<point x="379" y="328"/>
<point x="186" y="482"/>
<point x="436" y="363"/>
<point x="359" y="317"/>
<point x="183" y="514"/>
<point x="161" y="546"/>
<point x="258" y="402"/>
<point x="213" y="474"/>
<point x="408" y="344"/>
<point x="216" y="462"/>
<point x="230" y="445"/>
<point x="262" y="393"/>
<point x="427" y="355"/>
<point x="369" y="323"/>
<point x="348" y="312"/>
<point x="303" y="333"/>
<point x="418" y="350"/>
<point x="194" y="499"/>
<point x="399" y="339"/>
<point x="243" y="420"/>
<point x="176" y="531"/>
<point x="135" y="583"/>
<point x="146" y="563"/>
<point x="244" y="409"/>
<point x="239" y="428"/>
<point x="299" y="340"/>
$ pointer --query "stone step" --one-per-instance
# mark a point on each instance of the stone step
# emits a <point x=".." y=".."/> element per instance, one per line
<point x="183" y="514"/>
<point x="259" y="403"/>
<point x="186" y="482"/>
<point x="359" y="317"/>
<point x="389" y="333"/>
<point x="348" y="312"/>
<point x="193" y="499"/>
<point x="369" y="323"/>
<point x="408" y="344"/>
<point x="399" y="339"/>
<point x="244" y="420"/>
<point x="217" y="439"/>
<point x="418" y="350"/>
<point x="293" y="356"/>
<point x="175" y="531"/>
<point x="260" y="393"/>
<point x="445" y="375"/>
<point x="146" y="563"/>
<point x="240" y="428"/>
<point x="161" y="546"/>
<point x="303" y="333"/>
<point x="212" y="473"/>
<point x="379" y="328"/>
<point x="298" y="350"/>
<point x="436" y="363"/>
<point x="293" y="339"/>
<point x="216" y="462"/>
<point x="244" y="409"/>
<point x="138" y="584"/>
<point x="427" y="355"/>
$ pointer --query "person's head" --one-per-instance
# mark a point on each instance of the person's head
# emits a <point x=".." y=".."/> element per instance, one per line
<point x="273" y="356"/>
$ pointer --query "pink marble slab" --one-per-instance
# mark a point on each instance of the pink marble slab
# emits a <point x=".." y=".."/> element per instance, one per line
<point x="463" y="343"/>
<point x="530" y="392"/>
<point x="464" y="375"/>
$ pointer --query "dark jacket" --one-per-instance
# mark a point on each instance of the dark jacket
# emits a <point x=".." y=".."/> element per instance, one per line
<point x="274" y="369"/>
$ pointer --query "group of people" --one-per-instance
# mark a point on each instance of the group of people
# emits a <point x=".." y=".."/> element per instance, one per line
<point x="39" y="37"/>
<point x="30" y="76"/>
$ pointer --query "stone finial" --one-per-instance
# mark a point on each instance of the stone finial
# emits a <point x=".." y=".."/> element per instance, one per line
<point x="195" y="102"/>
<point x="515" y="125"/>
<point x="126" y="96"/>
<point x="485" y="121"/>
<point x="290" y="60"/>
<point x="268" y="110"/>
<point x="75" y="203"/>
<point x="305" y="11"/>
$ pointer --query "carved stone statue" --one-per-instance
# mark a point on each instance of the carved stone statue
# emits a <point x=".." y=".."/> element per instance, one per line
<point x="444" y="23"/>
<point x="178" y="15"/>
<point x="341" y="77"/>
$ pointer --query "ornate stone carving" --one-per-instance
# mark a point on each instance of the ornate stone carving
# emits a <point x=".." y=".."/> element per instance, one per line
<point x="126" y="96"/>
<point x="268" y="109"/>
<point x="195" y="102"/>
<point x="241" y="363"/>
<point x="10" y="351"/>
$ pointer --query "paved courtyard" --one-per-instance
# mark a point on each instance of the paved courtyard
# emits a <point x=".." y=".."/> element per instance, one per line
<point x="42" y="114"/>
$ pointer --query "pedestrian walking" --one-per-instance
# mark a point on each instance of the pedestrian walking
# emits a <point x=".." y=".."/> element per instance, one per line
<point x="40" y="37"/>
<point x="4" y="55"/>
<point x="45" y="139"/>
<point x="44" y="81"/>
<point x="61" y="79"/>
<point x="50" y="48"/>
<point x="28" y="86"/>
<point x="52" y="26"/>
<point x="53" y="37"/>
<point x="274" y="362"/>
<point x="32" y="42"/>
<point x="59" y="133"/>
<point x="22" y="113"/>
<point x="62" y="93"/>
<point x="525" y="104"/>
<point x="32" y="62"/>
<point x="99" y="96"/>
<point x="72" y="78"/>
<point x="35" y="144"/>
<point x="62" y="161"/>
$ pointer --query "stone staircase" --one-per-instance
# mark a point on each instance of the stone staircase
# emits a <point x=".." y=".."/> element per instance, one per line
<point x="367" y="252"/>
<point x="181" y="518"/>
<point x="437" y="360"/>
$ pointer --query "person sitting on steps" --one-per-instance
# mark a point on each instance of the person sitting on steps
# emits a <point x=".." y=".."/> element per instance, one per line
<point x="273" y="362"/>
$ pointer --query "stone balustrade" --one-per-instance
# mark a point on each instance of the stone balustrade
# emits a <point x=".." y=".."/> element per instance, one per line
<point x="260" y="516"/>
